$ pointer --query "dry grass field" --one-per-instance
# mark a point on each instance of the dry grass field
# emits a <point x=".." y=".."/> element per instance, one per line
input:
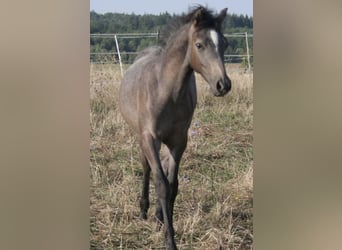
<point x="213" y="209"/>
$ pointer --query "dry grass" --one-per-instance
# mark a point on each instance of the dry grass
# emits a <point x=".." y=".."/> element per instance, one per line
<point x="214" y="207"/>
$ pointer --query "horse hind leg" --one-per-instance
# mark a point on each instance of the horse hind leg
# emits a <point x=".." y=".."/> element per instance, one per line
<point x="144" y="200"/>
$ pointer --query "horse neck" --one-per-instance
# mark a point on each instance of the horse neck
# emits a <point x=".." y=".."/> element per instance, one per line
<point x="175" y="67"/>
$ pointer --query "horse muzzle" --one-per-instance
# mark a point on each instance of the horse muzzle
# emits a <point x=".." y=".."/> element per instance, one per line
<point x="223" y="86"/>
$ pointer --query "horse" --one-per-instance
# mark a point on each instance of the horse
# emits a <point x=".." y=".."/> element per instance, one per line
<point x="157" y="99"/>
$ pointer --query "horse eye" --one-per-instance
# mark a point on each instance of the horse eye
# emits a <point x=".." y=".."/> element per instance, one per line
<point x="198" y="45"/>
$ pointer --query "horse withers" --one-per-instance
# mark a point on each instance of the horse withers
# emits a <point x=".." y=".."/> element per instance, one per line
<point x="158" y="98"/>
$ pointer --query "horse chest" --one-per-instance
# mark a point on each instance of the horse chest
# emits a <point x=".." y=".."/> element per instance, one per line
<point x="173" y="120"/>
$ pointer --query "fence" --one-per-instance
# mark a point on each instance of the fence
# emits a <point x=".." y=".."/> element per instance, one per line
<point x="125" y="57"/>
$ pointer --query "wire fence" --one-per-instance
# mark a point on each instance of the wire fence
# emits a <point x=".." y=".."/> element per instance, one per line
<point x="116" y="55"/>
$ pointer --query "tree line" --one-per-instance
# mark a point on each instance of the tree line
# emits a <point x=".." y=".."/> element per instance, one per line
<point x="148" y="23"/>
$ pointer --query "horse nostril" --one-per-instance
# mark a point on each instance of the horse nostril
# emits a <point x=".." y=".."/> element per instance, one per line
<point x="219" y="86"/>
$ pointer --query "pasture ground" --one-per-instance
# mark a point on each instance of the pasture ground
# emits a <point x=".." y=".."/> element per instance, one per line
<point x="213" y="209"/>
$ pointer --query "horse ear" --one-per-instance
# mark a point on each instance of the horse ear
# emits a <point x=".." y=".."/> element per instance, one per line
<point x="197" y="16"/>
<point x="220" y="18"/>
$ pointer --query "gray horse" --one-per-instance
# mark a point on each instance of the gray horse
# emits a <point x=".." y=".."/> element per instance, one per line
<point x="158" y="99"/>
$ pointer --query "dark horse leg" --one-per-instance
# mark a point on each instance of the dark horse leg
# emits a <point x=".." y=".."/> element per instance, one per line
<point x="170" y="164"/>
<point x="151" y="147"/>
<point x="144" y="200"/>
<point x="159" y="212"/>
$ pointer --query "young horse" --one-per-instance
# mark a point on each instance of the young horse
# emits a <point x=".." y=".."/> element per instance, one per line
<point x="158" y="98"/>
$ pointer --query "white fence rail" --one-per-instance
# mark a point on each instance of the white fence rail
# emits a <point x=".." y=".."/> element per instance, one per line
<point x="116" y="56"/>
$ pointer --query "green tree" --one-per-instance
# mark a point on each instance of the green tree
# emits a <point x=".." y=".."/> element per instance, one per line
<point x="132" y="23"/>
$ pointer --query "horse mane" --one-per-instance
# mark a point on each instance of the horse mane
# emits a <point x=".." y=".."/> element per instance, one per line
<point x="206" y="19"/>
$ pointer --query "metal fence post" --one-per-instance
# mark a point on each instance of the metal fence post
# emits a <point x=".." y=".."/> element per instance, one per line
<point x="249" y="62"/>
<point x="118" y="50"/>
<point x="158" y="34"/>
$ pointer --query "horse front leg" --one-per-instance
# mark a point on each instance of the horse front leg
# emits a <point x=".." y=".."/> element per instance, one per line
<point x="170" y="164"/>
<point x="151" y="147"/>
<point x="165" y="166"/>
<point x="176" y="147"/>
